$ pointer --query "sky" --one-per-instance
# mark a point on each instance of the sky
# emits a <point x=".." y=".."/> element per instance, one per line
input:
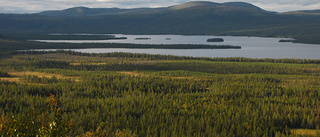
<point x="33" y="6"/>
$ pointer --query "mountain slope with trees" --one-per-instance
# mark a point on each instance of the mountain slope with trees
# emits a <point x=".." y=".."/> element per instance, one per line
<point x="196" y="18"/>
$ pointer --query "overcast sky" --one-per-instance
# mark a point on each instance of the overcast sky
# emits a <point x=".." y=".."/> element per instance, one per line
<point x="32" y="6"/>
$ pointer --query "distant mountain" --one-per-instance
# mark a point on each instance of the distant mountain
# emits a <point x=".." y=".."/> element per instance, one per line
<point x="229" y="8"/>
<point x="218" y="8"/>
<point x="81" y="11"/>
<point x="196" y="18"/>
<point x="205" y="4"/>
<point x="84" y="11"/>
<point x="303" y="12"/>
<point x="310" y="11"/>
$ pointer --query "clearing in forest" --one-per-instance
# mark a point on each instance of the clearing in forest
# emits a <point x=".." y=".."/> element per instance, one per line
<point x="306" y="132"/>
<point x="16" y="76"/>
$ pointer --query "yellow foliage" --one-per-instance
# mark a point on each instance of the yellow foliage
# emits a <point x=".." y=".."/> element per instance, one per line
<point x="304" y="132"/>
<point x="3" y="122"/>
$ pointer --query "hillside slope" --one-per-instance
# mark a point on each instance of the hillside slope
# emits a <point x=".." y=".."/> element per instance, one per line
<point x="208" y="18"/>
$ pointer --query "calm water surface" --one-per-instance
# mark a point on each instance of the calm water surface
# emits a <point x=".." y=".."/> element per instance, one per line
<point x="252" y="47"/>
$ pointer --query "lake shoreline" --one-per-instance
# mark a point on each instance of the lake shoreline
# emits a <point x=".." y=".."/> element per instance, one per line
<point x="251" y="47"/>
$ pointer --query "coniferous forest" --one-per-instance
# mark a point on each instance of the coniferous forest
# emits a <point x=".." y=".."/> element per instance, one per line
<point x="66" y="93"/>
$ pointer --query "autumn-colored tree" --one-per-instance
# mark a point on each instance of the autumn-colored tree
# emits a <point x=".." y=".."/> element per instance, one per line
<point x="48" y="123"/>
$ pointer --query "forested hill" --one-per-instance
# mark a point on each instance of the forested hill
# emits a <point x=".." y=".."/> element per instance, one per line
<point x="310" y="12"/>
<point x="208" y="18"/>
<point x="217" y="7"/>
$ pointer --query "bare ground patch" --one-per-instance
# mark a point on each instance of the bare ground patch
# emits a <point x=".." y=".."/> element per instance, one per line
<point x="17" y="74"/>
<point x="77" y="64"/>
<point x="131" y="73"/>
<point x="39" y="74"/>
<point x="315" y="69"/>
<point x="10" y="79"/>
<point x="306" y="132"/>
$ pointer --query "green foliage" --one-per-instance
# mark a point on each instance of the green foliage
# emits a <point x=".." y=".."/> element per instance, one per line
<point x="49" y="122"/>
<point x="44" y="80"/>
<point x="158" y="95"/>
<point x="4" y="74"/>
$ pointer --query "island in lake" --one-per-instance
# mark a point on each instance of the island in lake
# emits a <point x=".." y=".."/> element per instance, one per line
<point x="142" y="38"/>
<point x="286" y="40"/>
<point x="215" y="40"/>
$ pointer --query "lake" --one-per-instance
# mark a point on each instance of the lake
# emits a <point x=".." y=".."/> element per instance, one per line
<point x="252" y="47"/>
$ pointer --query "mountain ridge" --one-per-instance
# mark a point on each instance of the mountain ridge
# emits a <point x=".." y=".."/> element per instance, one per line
<point x="304" y="12"/>
<point x="193" y="18"/>
<point x="85" y="11"/>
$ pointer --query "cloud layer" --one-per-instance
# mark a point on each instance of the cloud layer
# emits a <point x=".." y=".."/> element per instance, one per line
<point x="31" y="6"/>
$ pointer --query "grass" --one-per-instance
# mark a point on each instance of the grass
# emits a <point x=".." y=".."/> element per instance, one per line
<point x="16" y="75"/>
<point x="15" y="79"/>
<point x="77" y="64"/>
<point x="147" y="75"/>
<point x="306" y="132"/>
<point x="39" y="74"/>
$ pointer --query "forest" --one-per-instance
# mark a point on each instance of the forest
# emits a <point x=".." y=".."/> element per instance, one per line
<point x="67" y="93"/>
